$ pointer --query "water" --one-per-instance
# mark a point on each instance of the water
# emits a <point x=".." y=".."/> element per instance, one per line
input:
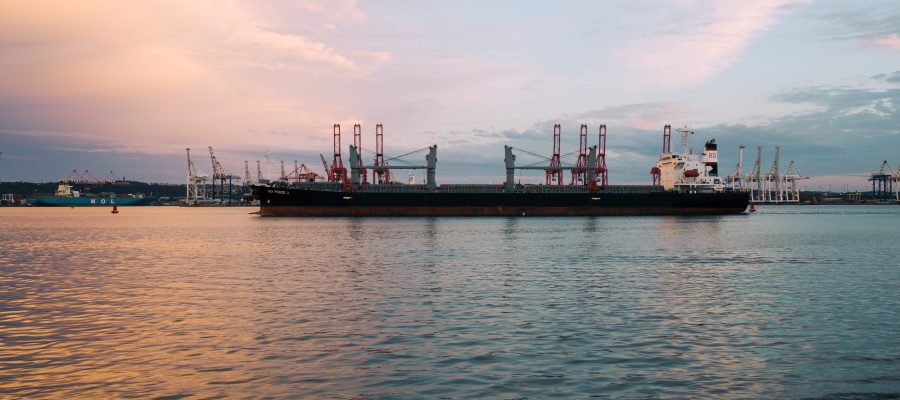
<point x="791" y="302"/>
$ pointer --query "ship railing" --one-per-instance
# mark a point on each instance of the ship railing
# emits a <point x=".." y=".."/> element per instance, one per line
<point x="392" y="188"/>
<point x="323" y="186"/>
<point x="631" y="189"/>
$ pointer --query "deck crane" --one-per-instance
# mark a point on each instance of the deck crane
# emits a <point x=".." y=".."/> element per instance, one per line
<point x="554" y="172"/>
<point x="357" y="142"/>
<point x="602" y="173"/>
<point x="380" y="173"/>
<point x="328" y="173"/>
<point x="337" y="170"/>
<point x="655" y="172"/>
<point x="580" y="170"/>
<point x="283" y="176"/>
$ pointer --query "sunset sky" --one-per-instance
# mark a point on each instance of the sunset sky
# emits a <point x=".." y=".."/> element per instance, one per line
<point x="127" y="85"/>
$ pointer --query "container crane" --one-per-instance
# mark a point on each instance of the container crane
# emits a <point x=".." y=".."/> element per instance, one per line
<point x="196" y="182"/>
<point x="882" y="182"/>
<point x="221" y="175"/>
<point x="259" y="175"/>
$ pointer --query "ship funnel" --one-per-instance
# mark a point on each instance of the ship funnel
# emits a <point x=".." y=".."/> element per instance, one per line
<point x="711" y="157"/>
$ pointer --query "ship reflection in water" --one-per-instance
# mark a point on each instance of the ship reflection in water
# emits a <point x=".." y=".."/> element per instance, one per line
<point x="203" y="302"/>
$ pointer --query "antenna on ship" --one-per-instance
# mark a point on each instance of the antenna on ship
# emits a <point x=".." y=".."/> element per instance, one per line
<point x="685" y="133"/>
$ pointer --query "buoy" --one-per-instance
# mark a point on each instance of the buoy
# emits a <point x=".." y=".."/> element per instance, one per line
<point x="752" y="208"/>
<point x="115" y="210"/>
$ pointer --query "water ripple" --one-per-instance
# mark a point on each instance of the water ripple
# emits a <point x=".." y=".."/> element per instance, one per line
<point x="174" y="303"/>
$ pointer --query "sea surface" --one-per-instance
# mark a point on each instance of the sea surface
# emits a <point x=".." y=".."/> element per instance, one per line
<point x="167" y="302"/>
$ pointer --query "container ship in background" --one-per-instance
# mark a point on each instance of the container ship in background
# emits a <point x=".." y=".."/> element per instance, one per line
<point x="683" y="184"/>
<point x="66" y="197"/>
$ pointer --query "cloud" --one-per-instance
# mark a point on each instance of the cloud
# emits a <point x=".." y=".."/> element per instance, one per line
<point x="156" y="74"/>
<point x="889" y="42"/>
<point x="699" y="39"/>
<point x="872" y="25"/>
<point x="639" y="116"/>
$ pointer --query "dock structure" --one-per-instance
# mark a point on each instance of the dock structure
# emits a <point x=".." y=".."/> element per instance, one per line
<point x="883" y="183"/>
<point x="773" y="187"/>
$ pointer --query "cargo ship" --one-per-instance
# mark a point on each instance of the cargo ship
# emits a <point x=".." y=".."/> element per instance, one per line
<point x="683" y="184"/>
<point x="66" y="197"/>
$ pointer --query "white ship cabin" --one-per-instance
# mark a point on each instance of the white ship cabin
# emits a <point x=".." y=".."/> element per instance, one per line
<point x="688" y="172"/>
<point x="63" y="190"/>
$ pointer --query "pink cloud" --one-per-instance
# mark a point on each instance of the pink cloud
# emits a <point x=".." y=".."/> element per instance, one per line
<point x="889" y="42"/>
<point x="699" y="39"/>
<point x="170" y="73"/>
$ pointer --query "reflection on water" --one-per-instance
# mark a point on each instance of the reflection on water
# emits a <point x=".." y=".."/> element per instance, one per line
<point x="790" y="302"/>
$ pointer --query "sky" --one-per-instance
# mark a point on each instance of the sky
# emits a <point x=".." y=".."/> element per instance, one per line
<point x="127" y="86"/>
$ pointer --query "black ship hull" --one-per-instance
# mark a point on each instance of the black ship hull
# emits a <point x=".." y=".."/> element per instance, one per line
<point x="313" y="202"/>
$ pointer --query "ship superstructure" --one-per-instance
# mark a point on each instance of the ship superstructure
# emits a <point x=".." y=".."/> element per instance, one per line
<point x="687" y="172"/>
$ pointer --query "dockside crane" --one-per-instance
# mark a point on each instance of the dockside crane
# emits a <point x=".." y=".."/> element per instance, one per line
<point x="773" y="179"/>
<point x="259" y="175"/>
<point x="756" y="178"/>
<point x="882" y="182"/>
<point x="789" y="183"/>
<point x="196" y="182"/>
<point x="896" y="182"/>
<point x="304" y="174"/>
<point x="247" y="180"/>
<point x="220" y="175"/>
<point x="736" y="179"/>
